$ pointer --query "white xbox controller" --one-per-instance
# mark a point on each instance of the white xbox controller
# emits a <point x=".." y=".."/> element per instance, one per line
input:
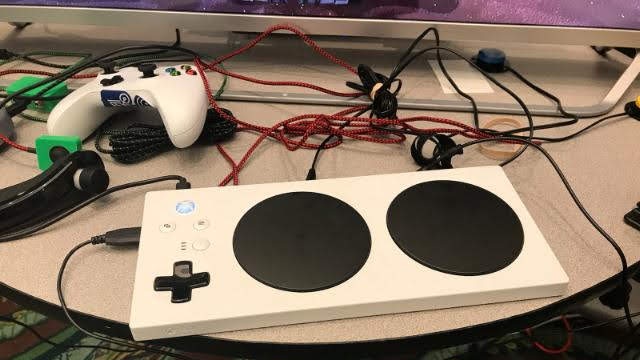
<point x="177" y="92"/>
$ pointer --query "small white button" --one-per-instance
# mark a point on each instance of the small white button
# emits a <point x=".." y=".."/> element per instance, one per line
<point x="201" y="244"/>
<point x="167" y="227"/>
<point x="201" y="224"/>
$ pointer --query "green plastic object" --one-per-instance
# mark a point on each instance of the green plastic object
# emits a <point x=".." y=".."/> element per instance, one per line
<point x="38" y="105"/>
<point x="45" y="143"/>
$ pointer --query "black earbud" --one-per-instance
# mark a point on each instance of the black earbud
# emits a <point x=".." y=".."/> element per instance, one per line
<point x="385" y="102"/>
<point x="633" y="109"/>
<point x="444" y="145"/>
<point x="90" y="175"/>
<point x="93" y="180"/>
<point x="70" y="180"/>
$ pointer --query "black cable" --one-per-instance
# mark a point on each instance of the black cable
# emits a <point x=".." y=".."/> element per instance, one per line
<point x="54" y="80"/>
<point x="92" y="62"/>
<point x="182" y="183"/>
<point x="86" y="63"/>
<point x="627" y="313"/>
<point x="624" y="274"/>
<point x="41" y="98"/>
<point x="32" y="330"/>
<point x="43" y="63"/>
<point x="558" y="139"/>
<point x="620" y="349"/>
<point x="405" y="60"/>
<point x="605" y="323"/>
<point x="543" y="92"/>
<point x="10" y="56"/>
<point x="574" y="118"/>
<point x="108" y="339"/>
<point x="409" y="59"/>
<point x="311" y="174"/>
<point x="531" y="126"/>
<point x="136" y="62"/>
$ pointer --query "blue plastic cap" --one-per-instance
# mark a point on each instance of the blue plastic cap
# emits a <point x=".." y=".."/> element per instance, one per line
<point x="492" y="56"/>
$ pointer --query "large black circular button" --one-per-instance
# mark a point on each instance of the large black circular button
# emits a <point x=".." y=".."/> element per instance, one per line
<point x="302" y="241"/>
<point x="455" y="227"/>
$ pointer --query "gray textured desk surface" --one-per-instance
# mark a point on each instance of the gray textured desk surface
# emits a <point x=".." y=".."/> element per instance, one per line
<point x="602" y="165"/>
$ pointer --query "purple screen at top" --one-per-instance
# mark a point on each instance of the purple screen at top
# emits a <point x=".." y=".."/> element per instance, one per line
<point x="621" y="14"/>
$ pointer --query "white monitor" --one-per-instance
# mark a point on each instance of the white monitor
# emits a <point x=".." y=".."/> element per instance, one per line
<point x="576" y="22"/>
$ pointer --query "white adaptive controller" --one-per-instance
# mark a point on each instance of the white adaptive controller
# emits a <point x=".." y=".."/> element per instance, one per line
<point x="177" y="92"/>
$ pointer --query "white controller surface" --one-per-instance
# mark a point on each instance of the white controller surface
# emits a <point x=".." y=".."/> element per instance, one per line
<point x="177" y="92"/>
<point x="190" y="234"/>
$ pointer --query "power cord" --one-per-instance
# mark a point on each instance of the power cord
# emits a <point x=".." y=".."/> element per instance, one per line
<point x="116" y="238"/>
<point x="562" y="138"/>
<point x="182" y="183"/>
<point x="573" y="117"/>
<point x="624" y="274"/>
<point x="409" y="56"/>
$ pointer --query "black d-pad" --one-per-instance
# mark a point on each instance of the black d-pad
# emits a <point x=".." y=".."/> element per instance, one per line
<point x="181" y="282"/>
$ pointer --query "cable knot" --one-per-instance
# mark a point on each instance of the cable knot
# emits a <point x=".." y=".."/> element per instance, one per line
<point x="384" y="101"/>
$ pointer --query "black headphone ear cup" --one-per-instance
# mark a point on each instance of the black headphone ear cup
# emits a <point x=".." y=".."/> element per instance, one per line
<point x="416" y="151"/>
<point x="443" y="144"/>
<point x="93" y="179"/>
<point x="88" y="158"/>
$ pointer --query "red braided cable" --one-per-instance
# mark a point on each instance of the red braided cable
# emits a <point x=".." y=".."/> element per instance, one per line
<point x="305" y="38"/>
<point x="564" y="348"/>
<point x="282" y="83"/>
<point x="234" y="166"/>
<point x="306" y="125"/>
<point x="324" y="53"/>
<point x="16" y="145"/>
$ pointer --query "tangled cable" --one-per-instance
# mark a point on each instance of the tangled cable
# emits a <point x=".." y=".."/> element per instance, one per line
<point x="139" y="142"/>
<point x="295" y="133"/>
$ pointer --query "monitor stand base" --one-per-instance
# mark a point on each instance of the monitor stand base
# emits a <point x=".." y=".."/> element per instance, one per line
<point x="603" y="107"/>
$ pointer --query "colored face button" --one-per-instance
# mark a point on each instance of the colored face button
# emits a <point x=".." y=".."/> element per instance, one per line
<point x="185" y="207"/>
<point x="192" y="72"/>
<point x="170" y="70"/>
<point x="175" y="73"/>
<point x="185" y="67"/>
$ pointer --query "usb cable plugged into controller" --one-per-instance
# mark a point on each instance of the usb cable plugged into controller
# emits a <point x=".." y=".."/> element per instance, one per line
<point x="123" y="237"/>
<point x="120" y="237"/>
